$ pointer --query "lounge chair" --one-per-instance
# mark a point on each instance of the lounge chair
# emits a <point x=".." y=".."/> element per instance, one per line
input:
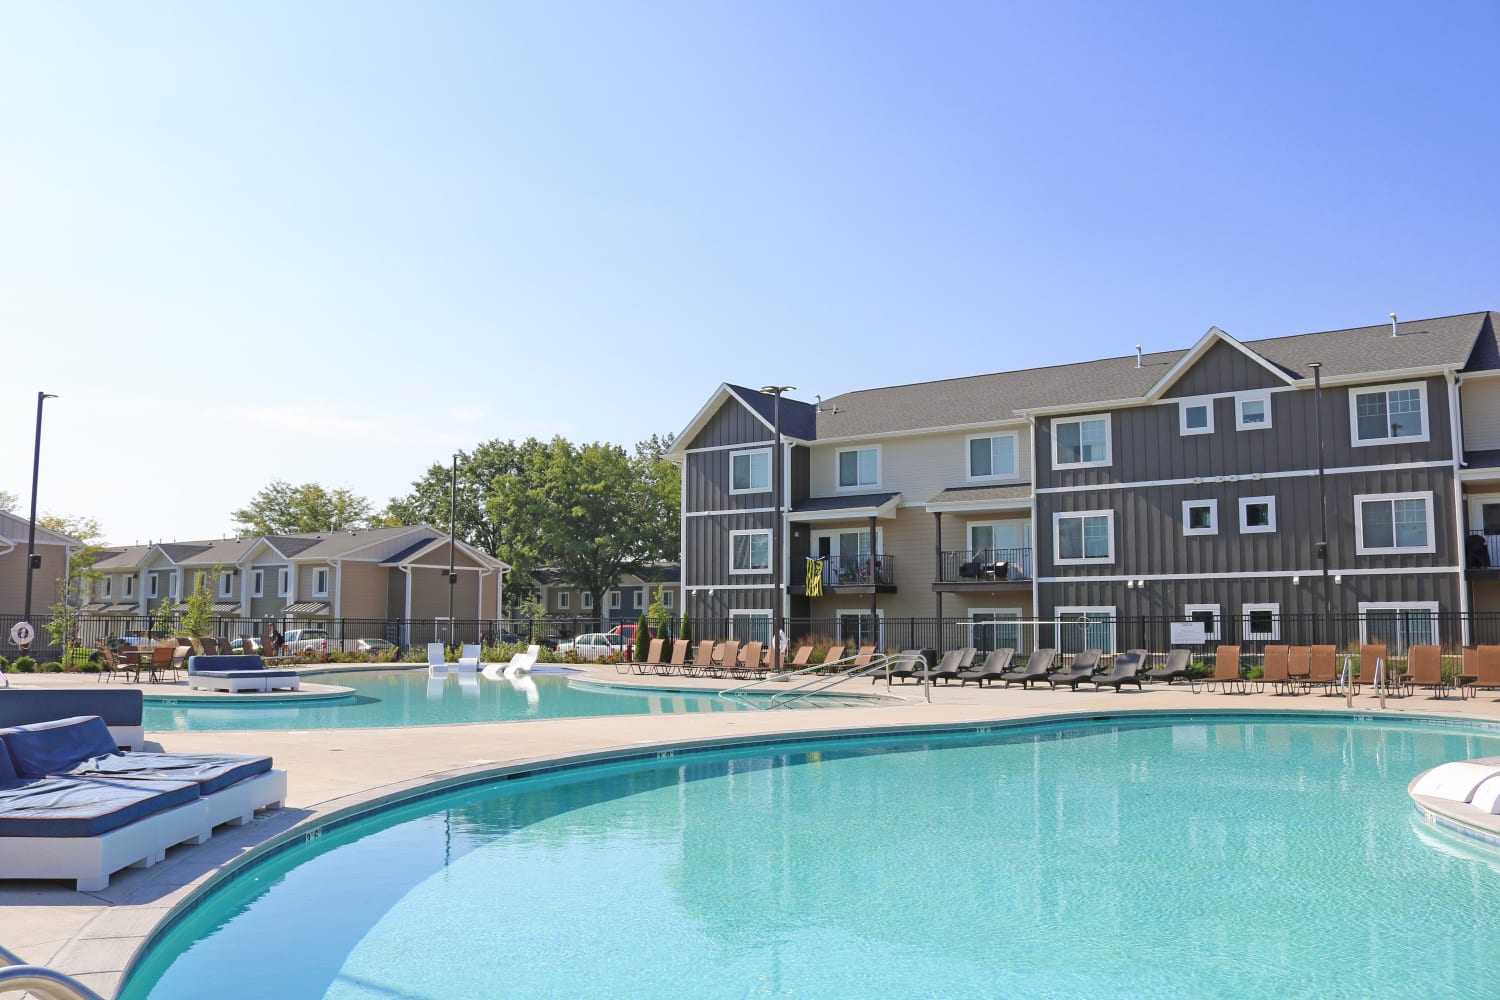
<point x="703" y="658"/>
<point x="912" y="664"/>
<point x="834" y="654"/>
<point x="726" y="657"/>
<point x="994" y="668"/>
<point x="1322" y="668"/>
<point x="1372" y="654"/>
<point x="966" y="657"/>
<point x="1036" y="668"/>
<point x="1125" y="671"/>
<point x="1274" y="671"/>
<point x="799" y="659"/>
<point x="1426" y="663"/>
<point x="468" y="659"/>
<point x="651" y="662"/>
<point x="863" y="657"/>
<point x="437" y="658"/>
<point x="678" y="664"/>
<point x="747" y="660"/>
<point x="1178" y="665"/>
<point x="1084" y="664"/>
<point x="1481" y="670"/>
<point x="1226" y="672"/>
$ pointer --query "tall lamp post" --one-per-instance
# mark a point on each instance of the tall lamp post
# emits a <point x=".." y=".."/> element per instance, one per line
<point x="776" y="486"/>
<point x="452" y="526"/>
<point x="36" y="465"/>
<point x="1322" y="546"/>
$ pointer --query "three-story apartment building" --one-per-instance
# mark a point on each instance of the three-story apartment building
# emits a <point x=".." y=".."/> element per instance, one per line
<point x="1179" y="485"/>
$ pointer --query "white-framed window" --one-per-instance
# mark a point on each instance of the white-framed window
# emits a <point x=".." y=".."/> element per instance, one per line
<point x="1080" y="442"/>
<point x="1257" y="515"/>
<point x="151" y="585"/>
<point x="1200" y="517"/>
<point x="1083" y="627"/>
<point x="750" y="626"/>
<point x="1195" y="415"/>
<point x="614" y="600"/>
<point x="174" y="584"/>
<point x="995" y="628"/>
<point x="855" y="628"/>
<point x="1086" y="536"/>
<point x="1206" y="615"/>
<point x="1393" y="523"/>
<point x="750" y="551"/>
<point x="1389" y="413"/>
<point x="992" y="456"/>
<point x="257" y="582"/>
<point x="226" y="583"/>
<point x="564" y="600"/>
<point x="283" y="582"/>
<point x="750" y="471"/>
<point x="858" y="468"/>
<point x="320" y="582"/>
<point x="1398" y="624"/>
<point x="130" y="586"/>
<point x="1252" y="411"/>
<point x="108" y="580"/>
<point x="636" y="599"/>
<point x="1260" y="622"/>
<point x="666" y="598"/>
<point x="588" y="601"/>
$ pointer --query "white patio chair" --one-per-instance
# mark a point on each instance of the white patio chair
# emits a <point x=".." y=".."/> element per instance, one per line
<point x="437" y="662"/>
<point x="468" y="660"/>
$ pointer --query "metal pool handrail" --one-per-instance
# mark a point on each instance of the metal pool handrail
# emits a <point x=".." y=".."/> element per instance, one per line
<point x="16" y="976"/>
<point x="814" y="684"/>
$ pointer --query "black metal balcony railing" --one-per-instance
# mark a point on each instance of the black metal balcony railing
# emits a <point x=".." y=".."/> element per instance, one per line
<point x="859" y="571"/>
<point x="1482" y="551"/>
<point x="985" y="566"/>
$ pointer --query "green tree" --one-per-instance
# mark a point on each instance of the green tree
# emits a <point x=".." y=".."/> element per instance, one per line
<point x="8" y="500"/>
<point x="81" y="563"/>
<point x="164" y="619"/>
<point x="284" y="509"/>
<point x="687" y="628"/>
<point x="658" y="614"/>
<point x="642" y="635"/>
<point x="199" y="615"/>
<point x="587" y="510"/>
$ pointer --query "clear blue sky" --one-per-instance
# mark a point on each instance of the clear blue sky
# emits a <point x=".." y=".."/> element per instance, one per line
<point x="335" y="242"/>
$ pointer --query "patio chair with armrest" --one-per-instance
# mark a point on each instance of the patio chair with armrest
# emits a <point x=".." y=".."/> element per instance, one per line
<point x="834" y="654"/>
<point x="1481" y="670"/>
<point x="1177" y="665"/>
<point x="651" y="662"/>
<point x="1426" y="663"/>
<point x="726" y="657"/>
<point x="1275" y="664"/>
<point x="1226" y="672"/>
<point x="1084" y="664"/>
<point x="1126" y="670"/>
<point x="912" y="664"/>
<point x="1036" y="668"/>
<point x="1372" y="654"/>
<point x="995" y="666"/>
<point x="1322" y="668"/>
<point x="966" y="657"/>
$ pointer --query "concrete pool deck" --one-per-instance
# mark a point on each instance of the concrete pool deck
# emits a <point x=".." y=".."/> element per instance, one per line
<point x="94" y="935"/>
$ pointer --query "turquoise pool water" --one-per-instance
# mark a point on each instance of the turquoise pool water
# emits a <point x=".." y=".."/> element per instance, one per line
<point x="1238" y="858"/>
<point x="412" y="698"/>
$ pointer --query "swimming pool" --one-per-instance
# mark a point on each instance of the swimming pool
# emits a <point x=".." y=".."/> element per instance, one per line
<point x="1236" y="857"/>
<point x="413" y="698"/>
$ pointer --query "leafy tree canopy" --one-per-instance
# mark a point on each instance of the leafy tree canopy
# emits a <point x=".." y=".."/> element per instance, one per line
<point x="284" y="509"/>
<point x="87" y="532"/>
<point x="8" y="500"/>
<point x="474" y="522"/>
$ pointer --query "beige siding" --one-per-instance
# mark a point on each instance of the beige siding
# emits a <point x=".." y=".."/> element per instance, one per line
<point x="918" y="467"/>
<point x="1481" y="414"/>
<point x="307" y="574"/>
<point x="46" y="582"/>
<point x="429" y="593"/>
<point x="362" y="591"/>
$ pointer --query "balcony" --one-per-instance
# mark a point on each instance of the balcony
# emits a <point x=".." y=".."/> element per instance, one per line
<point x="1482" y="556"/>
<point x="983" y="569"/>
<point x="859" y="574"/>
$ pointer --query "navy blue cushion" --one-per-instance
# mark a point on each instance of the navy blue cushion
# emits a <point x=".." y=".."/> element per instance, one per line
<point x="117" y="706"/>
<point x="209" y="771"/>
<point x="84" y="807"/>
<point x="199" y="664"/>
<point x="241" y="673"/>
<point x="7" y="766"/>
<point x="54" y="747"/>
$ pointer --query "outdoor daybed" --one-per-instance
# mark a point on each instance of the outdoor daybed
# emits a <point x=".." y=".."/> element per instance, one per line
<point x="121" y="709"/>
<point x="238" y="673"/>
<point x="73" y="807"/>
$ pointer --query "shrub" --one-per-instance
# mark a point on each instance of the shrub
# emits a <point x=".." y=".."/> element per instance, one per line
<point x="52" y="667"/>
<point x="642" y="636"/>
<point x="25" y="665"/>
<point x="687" y="628"/>
<point x="4" y="663"/>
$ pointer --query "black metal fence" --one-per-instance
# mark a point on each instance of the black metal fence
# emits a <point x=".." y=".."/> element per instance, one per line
<point x="1397" y="628"/>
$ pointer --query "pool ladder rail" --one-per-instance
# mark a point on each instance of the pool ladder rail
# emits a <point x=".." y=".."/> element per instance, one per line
<point x="814" y="680"/>
<point x="44" y="984"/>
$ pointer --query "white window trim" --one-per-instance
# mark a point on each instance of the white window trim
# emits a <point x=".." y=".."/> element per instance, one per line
<point x="226" y="583"/>
<point x="1015" y="453"/>
<point x="637" y="600"/>
<point x="616" y="601"/>
<point x="587" y="602"/>
<point x="750" y="613"/>
<point x="1213" y="516"/>
<point x="283" y="583"/>
<point x="1241" y="398"/>
<point x="1061" y="613"/>
<point x="859" y="487"/>
<point x="1209" y="635"/>
<point x="1267" y="529"/>
<point x="1360" y="499"/>
<point x="129" y="586"/>
<point x="326" y="575"/>
<point x="152" y="588"/>
<point x="1109" y="436"/>
<point x="107" y="586"/>
<point x="770" y="473"/>
<point x="864" y="612"/>
<point x="1354" y="395"/>
<point x="1431" y="607"/>
<point x="1207" y="402"/>
<point x="1058" y="560"/>
<point x="666" y="598"/>
<point x="564" y="601"/>
<point x="1004" y="614"/>
<point x="1272" y="636"/>
<point x="174" y="585"/>
<point x="257" y="582"/>
<point x="748" y="572"/>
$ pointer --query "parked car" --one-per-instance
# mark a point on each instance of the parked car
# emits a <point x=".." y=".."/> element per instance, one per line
<point x="141" y="639"/>
<point x="592" y="646"/>
<point x="627" y="633"/>
<point x="304" y="640"/>
<point x="238" y="646"/>
<point x="373" y="646"/>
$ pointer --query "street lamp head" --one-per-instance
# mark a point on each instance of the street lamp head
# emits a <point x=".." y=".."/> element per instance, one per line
<point x="49" y="395"/>
<point x="776" y="390"/>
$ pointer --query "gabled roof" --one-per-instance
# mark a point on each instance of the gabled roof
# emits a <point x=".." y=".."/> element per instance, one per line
<point x="798" y="419"/>
<point x="846" y="506"/>
<point x="1196" y="352"/>
<point x="120" y="559"/>
<point x="962" y="497"/>
<point x="15" y="527"/>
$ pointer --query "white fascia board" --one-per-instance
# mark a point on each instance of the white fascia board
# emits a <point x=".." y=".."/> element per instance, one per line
<point x="885" y="510"/>
<point x="1000" y="425"/>
<point x="1376" y="377"/>
<point x="970" y="506"/>
<point x="1213" y="336"/>
<point x="1085" y="406"/>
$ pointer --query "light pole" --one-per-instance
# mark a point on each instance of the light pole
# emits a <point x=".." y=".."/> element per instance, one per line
<point x="1322" y="547"/>
<point x="36" y="465"/>
<point x="452" y="525"/>
<point x="776" y="486"/>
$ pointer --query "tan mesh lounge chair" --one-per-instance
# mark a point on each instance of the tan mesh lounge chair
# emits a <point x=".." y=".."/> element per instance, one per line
<point x="653" y="657"/>
<point x="994" y="668"/>
<point x="1426" y="663"/>
<point x="678" y="664"/>
<point x="1125" y="671"/>
<point x="1370" y="654"/>
<point x="1081" y="669"/>
<point x="1297" y="666"/>
<point x="1226" y="671"/>
<point x="799" y="659"/>
<point x="726" y="657"/>
<point x="747" y="660"/>
<point x="864" y="656"/>
<point x="1322" y="668"/>
<point x="1486" y="670"/>
<point x="1035" y="669"/>
<point x="703" y="658"/>
<point x="835" y="653"/>
<point x="1274" y="666"/>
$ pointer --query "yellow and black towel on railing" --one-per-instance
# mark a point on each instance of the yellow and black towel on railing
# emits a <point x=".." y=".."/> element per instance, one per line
<point x="815" y="578"/>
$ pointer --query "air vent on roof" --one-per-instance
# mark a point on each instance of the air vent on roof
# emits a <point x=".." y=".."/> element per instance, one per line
<point x="1394" y="332"/>
<point x="1138" y="358"/>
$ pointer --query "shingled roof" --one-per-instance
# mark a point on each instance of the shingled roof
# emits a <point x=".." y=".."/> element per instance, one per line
<point x="1444" y="342"/>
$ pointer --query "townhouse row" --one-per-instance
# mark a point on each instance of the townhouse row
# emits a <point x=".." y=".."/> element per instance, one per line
<point x="1180" y="485"/>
